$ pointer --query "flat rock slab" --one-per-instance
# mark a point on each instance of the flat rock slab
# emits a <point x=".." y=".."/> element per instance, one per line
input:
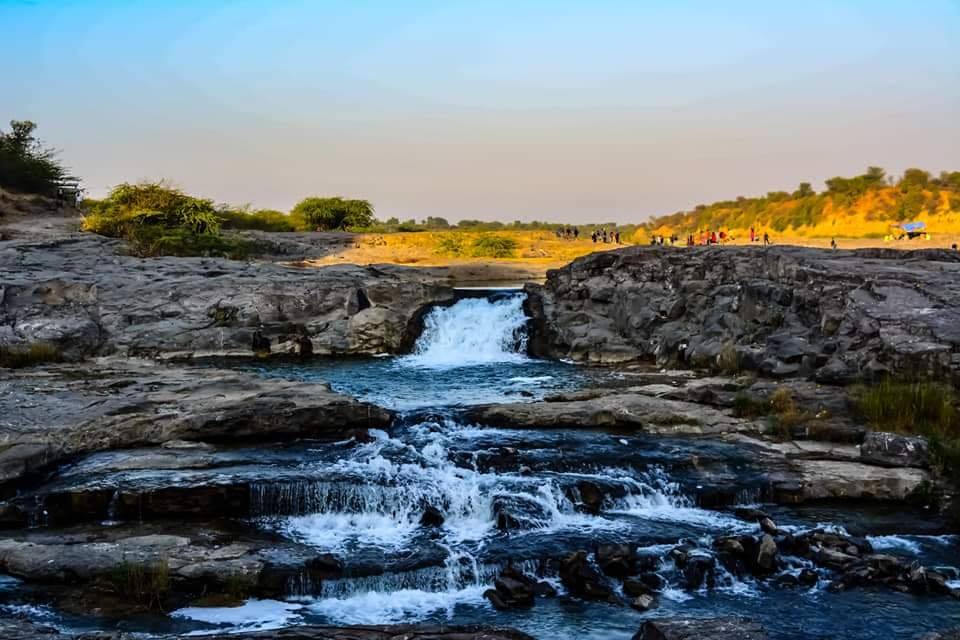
<point x="51" y="413"/>
<point x="623" y="409"/>
<point x="732" y="628"/>
<point x="24" y="630"/>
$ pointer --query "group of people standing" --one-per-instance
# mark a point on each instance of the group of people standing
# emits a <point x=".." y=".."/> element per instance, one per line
<point x="604" y="236"/>
<point x="597" y="235"/>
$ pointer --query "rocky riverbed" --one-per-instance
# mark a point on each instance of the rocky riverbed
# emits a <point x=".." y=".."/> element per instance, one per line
<point x="456" y="481"/>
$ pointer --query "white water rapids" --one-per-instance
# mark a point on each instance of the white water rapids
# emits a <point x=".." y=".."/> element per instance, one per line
<point x="473" y="331"/>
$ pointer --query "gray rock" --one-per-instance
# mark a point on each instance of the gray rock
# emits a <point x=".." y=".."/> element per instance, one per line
<point x="63" y="410"/>
<point x="893" y="450"/>
<point x="732" y="628"/>
<point x="850" y="313"/>
<point x="80" y="294"/>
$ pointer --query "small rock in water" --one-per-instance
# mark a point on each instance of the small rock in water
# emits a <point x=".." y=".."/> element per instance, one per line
<point x="582" y="580"/>
<point x="616" y="559"/>
<point x="635" y="587"/>
<point x="808" y="577"/>
<point x="643" y="602"/>
<point x="432" y="517"/>
<point x="768" y="526"/>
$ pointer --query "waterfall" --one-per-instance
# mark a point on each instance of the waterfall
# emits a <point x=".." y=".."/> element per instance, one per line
<point x="473" y="331"/>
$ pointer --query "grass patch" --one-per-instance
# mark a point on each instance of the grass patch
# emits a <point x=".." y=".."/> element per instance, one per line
<point x="916" y="408"/>
<point x="780" y="407"/>
<point x="20" y="357"/>
<point x="746" y="407"/>
<point x="145" y="583"/>
<point x="728" y="360"/>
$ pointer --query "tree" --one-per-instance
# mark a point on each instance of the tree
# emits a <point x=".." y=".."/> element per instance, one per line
<point x="914" y="178"/>
<point x="25" y="164"/>
<point x="330" y="214"/>
<point x="436" y="223"/>
<point x="950" y="179"/>
<point x="805" y="190"/>
<point x="874" y="176"/>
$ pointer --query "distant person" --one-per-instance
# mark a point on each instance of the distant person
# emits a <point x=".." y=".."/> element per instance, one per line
<point x="617" y="234"/>
<point x="766" y="238"/>
<point x="833" y="243"/>
<point x="753" y="235"/>
<point x="954" y="246"/>
<point x="576" y="233"/>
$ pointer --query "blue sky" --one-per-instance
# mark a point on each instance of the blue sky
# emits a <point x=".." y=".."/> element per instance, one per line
<point x="572" y="111"/>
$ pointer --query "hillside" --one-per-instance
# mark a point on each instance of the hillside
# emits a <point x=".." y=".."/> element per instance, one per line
<point x="864" y="206"/>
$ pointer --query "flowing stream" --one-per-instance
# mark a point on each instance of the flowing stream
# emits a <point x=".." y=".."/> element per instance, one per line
<point x="512" y="496"/>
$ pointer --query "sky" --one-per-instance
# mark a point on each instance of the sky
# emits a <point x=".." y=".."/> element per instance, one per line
<point x="567" y="111"/>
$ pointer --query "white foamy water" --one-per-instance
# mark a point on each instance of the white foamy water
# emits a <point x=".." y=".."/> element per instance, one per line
<point x="250" y="616"/>
<point x="894" y="543"/>
<point x="405" y="605"/>
<point x="473" y="331"/>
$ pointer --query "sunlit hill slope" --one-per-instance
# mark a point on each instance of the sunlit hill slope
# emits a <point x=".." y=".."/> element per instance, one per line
<point x="865" y="206"/>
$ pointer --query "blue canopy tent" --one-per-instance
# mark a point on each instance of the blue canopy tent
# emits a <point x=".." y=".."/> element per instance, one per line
<point x="912" y="229"/>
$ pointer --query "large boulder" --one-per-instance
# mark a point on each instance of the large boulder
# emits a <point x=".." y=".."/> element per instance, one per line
<point x="785" y="311"/>
<point x="582" y="580"/>
<point x="731" y="628"/>
<point x="81" y="294"/>
<point x="893" y="450"/>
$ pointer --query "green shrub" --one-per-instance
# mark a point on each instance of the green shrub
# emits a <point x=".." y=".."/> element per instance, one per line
<point x="157" y="219"/>
<point x="450" y="244"/>
<point x="332" y="214"/>
<point x="20" y="357"/>
<point x="260" y="220"/>
<point x="494" y="246"/>
<point x="25" y="164"/>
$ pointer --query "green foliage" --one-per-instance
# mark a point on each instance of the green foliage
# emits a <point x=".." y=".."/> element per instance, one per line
<point x="908" y="407"/>
<point x="450" y="244"/>
<point x="332" y="214"/>
<point x="157" y="219"/>
<point x="259" y="220"/>
<point x="494" y="246"/>
<point x="20" y="357"/>
<point x="914" y="178"/>
<point x="436" y="223"/>
<point x="25" y="164"/>
<point x="804" y="191"/>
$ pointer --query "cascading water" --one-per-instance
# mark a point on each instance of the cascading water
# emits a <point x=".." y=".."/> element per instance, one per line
<point x="496" y="496"/>
<point x="472" y="331"/>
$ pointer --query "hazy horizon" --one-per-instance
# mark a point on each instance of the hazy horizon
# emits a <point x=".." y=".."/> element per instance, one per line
<point x="569" y="112"/>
